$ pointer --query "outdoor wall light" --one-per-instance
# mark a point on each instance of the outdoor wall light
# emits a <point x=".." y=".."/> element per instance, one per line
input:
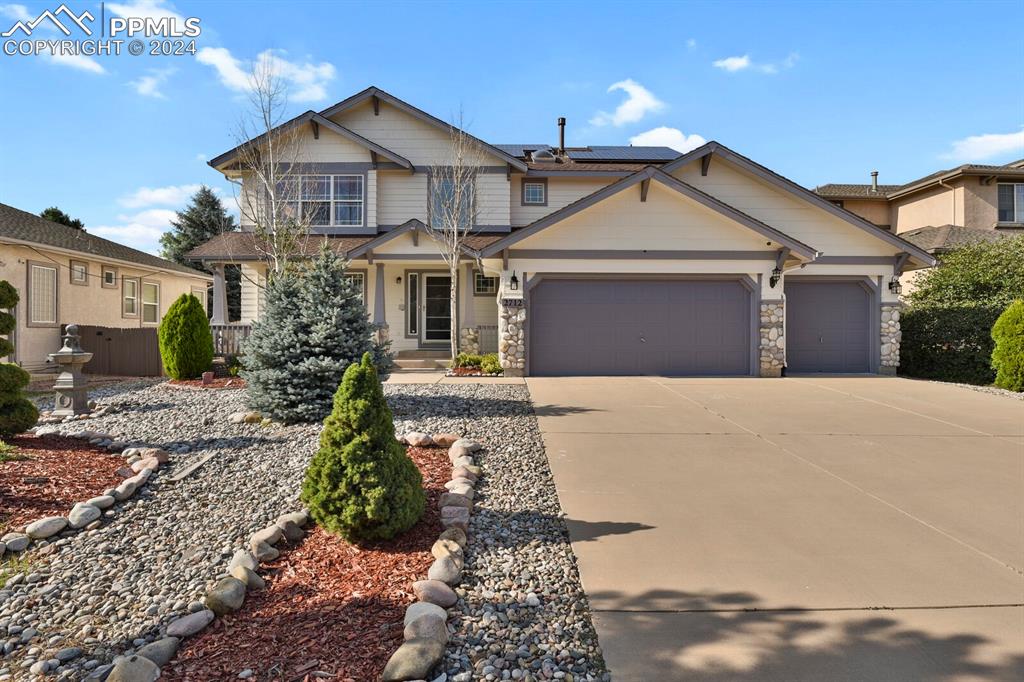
<point x="398" y="280"/>
<point x="513" y="283"/>
<point x="895" y="286"/>
<point x="776" y="276"/>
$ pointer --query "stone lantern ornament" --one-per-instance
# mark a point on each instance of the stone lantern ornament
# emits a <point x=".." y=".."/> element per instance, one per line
<point x="71" y="398"/>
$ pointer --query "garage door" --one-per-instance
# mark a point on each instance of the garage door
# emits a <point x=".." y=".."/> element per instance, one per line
<point x="827" y="327"/>
<point x="628" y="327"/>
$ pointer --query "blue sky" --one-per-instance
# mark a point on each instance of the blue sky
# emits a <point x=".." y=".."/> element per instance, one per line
<point x="818" y="91"/>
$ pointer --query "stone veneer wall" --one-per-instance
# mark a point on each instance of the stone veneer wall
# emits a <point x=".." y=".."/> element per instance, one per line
<point x="469" y="340"/>
<point x="891" y="336"/>
<point x="512" y="340"/>
<point x="772" y="348"/>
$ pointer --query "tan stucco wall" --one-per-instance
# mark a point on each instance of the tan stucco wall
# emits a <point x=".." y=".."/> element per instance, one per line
<point x="938" y="206"/>
<point x="877" y="211"/>
<point x="89" y="305"/>
<point x="981" y="204"/>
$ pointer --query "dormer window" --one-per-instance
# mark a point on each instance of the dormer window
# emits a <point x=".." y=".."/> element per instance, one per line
<point x="535" y="192"/>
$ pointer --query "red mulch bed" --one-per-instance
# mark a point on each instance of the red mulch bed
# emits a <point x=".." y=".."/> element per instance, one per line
<point x="466" y="371"/>
<point x="217" y="383"/>
<point x="330" y="607"/>
<point x="75" y="471"/>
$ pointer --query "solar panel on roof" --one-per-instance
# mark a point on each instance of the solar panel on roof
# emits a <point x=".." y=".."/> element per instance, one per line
<point x="622" y="153"/>
<point x="519" y="150"/>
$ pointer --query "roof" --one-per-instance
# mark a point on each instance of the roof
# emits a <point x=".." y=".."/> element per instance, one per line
<point x="542" y="168"/>
<point x="599" y="153"/>
<point x="864" y="191"/>
<point x="22" y="226"/>
<point x="939" y="238"/>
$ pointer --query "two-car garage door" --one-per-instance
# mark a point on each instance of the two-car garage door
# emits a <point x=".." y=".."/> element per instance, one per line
<point x="641" y="326"/>
<point x="594" y="326"/>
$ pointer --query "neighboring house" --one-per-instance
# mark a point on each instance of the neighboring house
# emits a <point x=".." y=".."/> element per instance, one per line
<point x="593" y="260"/>
<point x="65" y="276"/>
<point x="944" y="209"/>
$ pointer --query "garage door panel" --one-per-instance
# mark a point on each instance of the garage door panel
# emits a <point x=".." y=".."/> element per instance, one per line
<point x="828" y="326"/>
<point x="596" y="327"/>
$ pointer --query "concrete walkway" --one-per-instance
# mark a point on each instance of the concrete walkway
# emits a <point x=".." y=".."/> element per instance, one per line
<point x="431" y="376"/>
<point x="842" y="528"/>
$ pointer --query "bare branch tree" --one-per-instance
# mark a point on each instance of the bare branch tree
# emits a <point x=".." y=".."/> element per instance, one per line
<point x="454" y="209"/>
<point x="269" y="179"/>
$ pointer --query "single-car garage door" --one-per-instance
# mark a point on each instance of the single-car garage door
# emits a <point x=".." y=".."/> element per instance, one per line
<point x="630" y="327"/>
<point x="828" y="327"/>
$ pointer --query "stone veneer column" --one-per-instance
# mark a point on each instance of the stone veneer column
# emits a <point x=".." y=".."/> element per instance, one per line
<point x="891" y="336"/>
<point x="512" y="338"/>
<point x="772" y="347"/>
<point x="469" y="340"/>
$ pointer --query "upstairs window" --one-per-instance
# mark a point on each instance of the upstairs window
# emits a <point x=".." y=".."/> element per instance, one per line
<point x="323" y="200"/>
<point x="150" y="302"/>
<point x="443" y="200"/>
<point x="1011" y="203"/>
<point x="80" y="272"/>
<point x="535" y="192"/>
<point x="109" y="280"/>
<point x="130" y="297"/>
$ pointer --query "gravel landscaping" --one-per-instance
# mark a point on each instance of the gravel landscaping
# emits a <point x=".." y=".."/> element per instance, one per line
<point x="89" y="596"/>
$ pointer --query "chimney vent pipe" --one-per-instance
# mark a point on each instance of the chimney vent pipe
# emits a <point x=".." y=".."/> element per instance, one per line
<point x="561" y="134"/>
<point x="874" y="181"/>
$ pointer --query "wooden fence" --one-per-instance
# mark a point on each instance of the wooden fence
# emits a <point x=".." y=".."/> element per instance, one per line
<point x="121" y="352"/>
<point x="228" y="338"/>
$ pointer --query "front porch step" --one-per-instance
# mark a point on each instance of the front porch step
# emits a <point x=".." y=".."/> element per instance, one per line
<point x="422" y="363"/>
<point x="425" y="354"/>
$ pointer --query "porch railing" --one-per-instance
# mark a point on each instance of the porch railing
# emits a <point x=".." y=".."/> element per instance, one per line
<point x="228" y="338"/>
<point x="488" y="338"/>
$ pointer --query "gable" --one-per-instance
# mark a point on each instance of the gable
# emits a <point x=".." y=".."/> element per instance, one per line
<point x="329" y="148"/>
<point x="831" y="235"/>
<point x="667" y="220"/>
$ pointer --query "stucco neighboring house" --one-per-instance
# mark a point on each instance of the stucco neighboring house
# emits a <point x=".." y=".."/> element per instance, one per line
<point x="593" y="260"/>
<point x="65" y="276"/>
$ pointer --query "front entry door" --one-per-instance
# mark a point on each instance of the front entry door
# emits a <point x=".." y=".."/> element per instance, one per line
<point x="437" y="310"/>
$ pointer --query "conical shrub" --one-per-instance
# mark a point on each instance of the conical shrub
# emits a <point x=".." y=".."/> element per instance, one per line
<point x="186" y="344"/>
<point x="17" y="413"/>
<point x="1008" y="355"/>
<point x="361" y="484"/>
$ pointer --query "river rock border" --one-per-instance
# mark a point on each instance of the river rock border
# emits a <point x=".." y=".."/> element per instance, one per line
<point x="426" y="630"/>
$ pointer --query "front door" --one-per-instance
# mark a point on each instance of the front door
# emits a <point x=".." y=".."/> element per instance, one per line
<point x="437" y="310"/>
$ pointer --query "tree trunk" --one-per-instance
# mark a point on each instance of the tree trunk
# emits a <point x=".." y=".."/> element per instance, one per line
<point x="453" y="269"/>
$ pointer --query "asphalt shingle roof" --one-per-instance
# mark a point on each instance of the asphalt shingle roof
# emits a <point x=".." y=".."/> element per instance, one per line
<point x="28" y="227"/>
<point x="243" y="245"/>
<point x="936" y="238"/>
<point x="857" y="191"/>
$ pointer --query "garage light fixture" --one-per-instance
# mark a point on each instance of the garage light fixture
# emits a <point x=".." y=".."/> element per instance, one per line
<point x="776" y="276"/>
<point x="895" y="286"/>
<point x="513" y="283"/>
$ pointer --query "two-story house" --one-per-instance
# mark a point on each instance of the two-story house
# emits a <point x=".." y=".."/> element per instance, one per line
<point x="592" y="260"/>
<point x="943" y="209"/>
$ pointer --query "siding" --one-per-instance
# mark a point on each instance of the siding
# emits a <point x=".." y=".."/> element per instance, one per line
<point x="330" y="148"/>
<point x="401" y="196"/>
<point x="792" y="215"/>
<point x="253" y="280"/>
<point x="561" y="193"/>
<point x="492" y="199"/>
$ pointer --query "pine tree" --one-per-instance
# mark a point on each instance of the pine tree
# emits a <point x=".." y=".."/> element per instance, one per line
<point x="360" y="483"/>
<point x="203" y="219"/>
<point x="313" y="327"/>
<point x="186" y="344"/>
<point x="55" y="215"/>
<point x="17" y="413"/>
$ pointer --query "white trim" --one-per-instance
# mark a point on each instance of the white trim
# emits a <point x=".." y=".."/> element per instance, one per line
<point x="145" y="304"/>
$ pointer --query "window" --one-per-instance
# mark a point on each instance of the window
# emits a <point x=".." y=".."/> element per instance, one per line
<point x="1011" y="203"/>
<point x="442" y="202"/>
<point x="357" y="280"/>
<point x="484" y="286"/>
<point x="130" y="297"/>
<point x="42" y="295"/>
<point x="323" y="200"/>
<point x="80" y="273"/>
<point x="150" y="302"/>
<point x="535" y="192"/>
<point x="412" y="311"/>
<point x="109" y="280"/>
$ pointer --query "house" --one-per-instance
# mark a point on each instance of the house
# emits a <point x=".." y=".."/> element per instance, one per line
<point x="592" y="260"/>
<point x="65" y="276"/>
<point x="943" y="209"/>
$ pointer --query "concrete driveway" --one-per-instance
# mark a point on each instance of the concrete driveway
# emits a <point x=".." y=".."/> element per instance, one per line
<point x="841" y="528"/>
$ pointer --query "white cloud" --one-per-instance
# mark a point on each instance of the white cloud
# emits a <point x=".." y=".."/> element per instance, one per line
<point x="664" y="136"/>
<point x="639" y="102"/>
<point x="744" y="63"/>
<point x="75" y="61"/>
<point x="201" y="157"/>
<point x="150" y="84"/>
<point x="139" y="230"/>
<point x="172" y="195"/>
<point x="154" y="9"/>
<point x="307" y="82"/>
<point x="987" y="146"/>
<point x="16" y="12"/>
<point x="691" y="44"/>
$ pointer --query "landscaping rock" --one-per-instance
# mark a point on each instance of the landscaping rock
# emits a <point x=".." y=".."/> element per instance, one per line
<point x="125" y="490"/>
<point x="465" y="473"/>
<point x="147" y="463"/>
<point x="427" y="627"/>
<point x="418" y="439"/>
<point x="445" y="570"/>
<point x="190" y="624"/>
<point x="414" y="660"/>
<point x="226" y="596"/>
<point x="245" y="418"/>
<point x="83" y="514"/>
<point x="270" y="535"/>
<point x="15" y="542"/>
<point x="251" y="578"/>
<point x="292" y="531"/>
<point x="134" y="669"/>
<point x="445" y="440"/>
<point x="435" y="592"/>
<point x="456" y="534"/>
<point x="101" y="501"/>
<point x="159" y="454"/>
<point x="444" y="547"/>
<point x="419" y="609"/>
<point x="457" y="517"/>
<point x="463" y="461"/>
<point x="265" y="552"/>
<point x="68" y="654"/>
<point x="44" y="528"/>
<point x="455" y="500"/>
<point x="458" y="451"/>
<point x="161" y="651"/>
<point x="243" y="557"/>
<point x="463" y="489"/>
<point x="468" y="444"/>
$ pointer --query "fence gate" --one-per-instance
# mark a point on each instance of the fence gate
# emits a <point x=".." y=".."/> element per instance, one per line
<point x="121" y="352"/>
